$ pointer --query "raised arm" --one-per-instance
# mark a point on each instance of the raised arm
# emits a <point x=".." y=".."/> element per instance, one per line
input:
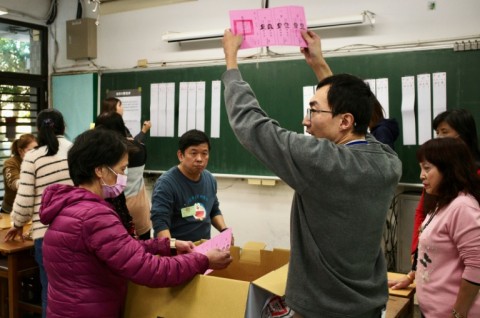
<point x="314" y="56"/>
<point x="231" y="44"/>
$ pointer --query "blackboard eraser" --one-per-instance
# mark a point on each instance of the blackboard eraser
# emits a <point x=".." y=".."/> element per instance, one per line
<point x="142" y="63"/>
<point x="269" y="182"/>
<point x="254" y="181"/>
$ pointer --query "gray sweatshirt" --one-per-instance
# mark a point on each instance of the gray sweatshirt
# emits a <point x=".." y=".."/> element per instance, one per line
<point x="342" y="195"/>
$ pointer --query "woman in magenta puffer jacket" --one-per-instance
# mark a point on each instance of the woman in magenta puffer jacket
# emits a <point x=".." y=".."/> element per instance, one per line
<point x="88" y="255"/>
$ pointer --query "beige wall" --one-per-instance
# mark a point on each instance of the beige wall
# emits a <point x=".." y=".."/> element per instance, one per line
<point x="126" y="37"/>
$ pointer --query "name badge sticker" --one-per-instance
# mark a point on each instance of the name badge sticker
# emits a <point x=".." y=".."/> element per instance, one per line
<point x="188" y="211"/>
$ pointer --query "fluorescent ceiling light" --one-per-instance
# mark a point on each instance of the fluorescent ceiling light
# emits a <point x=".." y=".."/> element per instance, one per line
<point x="192" y="36"/>
<point x="3" y="11"/>
<point x="116" y="6"/>
<point x="337" y="22"/>
<point x="364" y="17"/>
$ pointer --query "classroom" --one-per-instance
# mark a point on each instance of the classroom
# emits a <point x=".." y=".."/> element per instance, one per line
<point x="420" y="58"/>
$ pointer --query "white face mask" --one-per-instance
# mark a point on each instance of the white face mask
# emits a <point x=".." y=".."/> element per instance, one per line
<point x="113" y="191"/>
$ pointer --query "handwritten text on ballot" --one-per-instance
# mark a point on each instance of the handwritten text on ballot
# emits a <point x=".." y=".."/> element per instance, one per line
<point x="271" y="26"/>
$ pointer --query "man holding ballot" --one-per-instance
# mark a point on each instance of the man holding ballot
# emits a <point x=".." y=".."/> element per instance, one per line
<point x="344" y="181"/>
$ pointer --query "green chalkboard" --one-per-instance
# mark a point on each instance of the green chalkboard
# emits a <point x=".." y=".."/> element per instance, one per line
<point x="278" y="86"/>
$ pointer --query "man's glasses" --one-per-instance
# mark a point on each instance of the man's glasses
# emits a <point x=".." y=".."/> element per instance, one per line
<point x="311" y="110"/>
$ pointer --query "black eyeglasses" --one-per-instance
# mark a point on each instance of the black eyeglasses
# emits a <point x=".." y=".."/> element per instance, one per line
<point x="311" y="110"/>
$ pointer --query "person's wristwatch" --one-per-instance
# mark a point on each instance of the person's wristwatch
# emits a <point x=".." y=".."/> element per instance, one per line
<point x="173" y="248"/>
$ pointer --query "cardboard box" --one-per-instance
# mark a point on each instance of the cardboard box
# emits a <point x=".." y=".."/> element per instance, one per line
<point x="238" y="291"/>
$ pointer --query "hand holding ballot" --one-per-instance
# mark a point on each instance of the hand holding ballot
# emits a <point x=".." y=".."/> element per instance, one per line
<point x="269" y="26"/>
<point x="217" y="250"/>
<point x="184" y="247"/>
<point x="314" y="56"/>
<point x="218" y="259"/>
<point x="231" y="45"/>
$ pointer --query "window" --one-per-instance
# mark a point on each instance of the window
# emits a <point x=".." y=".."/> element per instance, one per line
<point x="23" y="82"/>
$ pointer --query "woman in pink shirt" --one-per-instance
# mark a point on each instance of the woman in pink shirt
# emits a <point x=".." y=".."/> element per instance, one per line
<point x="455" y="123"/>
<point x="448" y="263"/>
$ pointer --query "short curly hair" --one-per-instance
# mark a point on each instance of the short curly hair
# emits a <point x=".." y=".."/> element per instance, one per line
<point x="92" y="149"/>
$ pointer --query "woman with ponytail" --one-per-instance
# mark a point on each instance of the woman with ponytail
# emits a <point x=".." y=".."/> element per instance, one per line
<point x="11" y="169"/>
<point x="41" y="167"/>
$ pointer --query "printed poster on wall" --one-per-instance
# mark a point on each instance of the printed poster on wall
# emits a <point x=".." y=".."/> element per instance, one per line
<point x="132" y="107"/>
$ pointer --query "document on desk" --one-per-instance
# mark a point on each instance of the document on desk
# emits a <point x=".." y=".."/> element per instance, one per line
<point x="222" y="241"/>
<point x="271" y="26"/>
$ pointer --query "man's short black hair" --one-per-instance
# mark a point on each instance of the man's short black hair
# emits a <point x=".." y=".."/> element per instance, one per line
<point x="192" y="137"/>
<point x="350" y="94"/>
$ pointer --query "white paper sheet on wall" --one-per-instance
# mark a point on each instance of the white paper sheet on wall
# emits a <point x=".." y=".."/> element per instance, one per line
<point x="439" y="93"/>
<point x="381" y="85"/>
<point x="424" y="108"/>
<point x="191" y="108"/>
<point x="408" y="111"/>
<point x="308" y="92"/>
<point x="132" y="112"/>
<point x="215" y="120"/>
<point x="154" y="120"/>
<point x="372" y="83"/>
<point x="191" y="105"/>
<point x="170" y="120"/>
<point x="162" y="97"/>
<point x="162" y="110"/>
<point x="379" y="88"/>
<point x="182" y="108"/>
<point x="200" y="108"/>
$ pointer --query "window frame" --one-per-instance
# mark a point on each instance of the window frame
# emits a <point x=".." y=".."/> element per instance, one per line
<point x="39" y="81"/>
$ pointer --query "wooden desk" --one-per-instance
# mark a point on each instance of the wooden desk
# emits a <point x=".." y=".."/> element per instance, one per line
<point x="407" y="293"/>
<point x="19" y="259"/>
<point x="398" y="307"/>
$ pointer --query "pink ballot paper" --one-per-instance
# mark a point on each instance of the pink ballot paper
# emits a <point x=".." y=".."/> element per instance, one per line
<point x="221" y="241"/>
<point x="267" y="27"/>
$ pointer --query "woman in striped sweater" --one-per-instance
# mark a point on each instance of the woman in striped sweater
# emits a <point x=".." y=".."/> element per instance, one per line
<point x="41" y="167"/>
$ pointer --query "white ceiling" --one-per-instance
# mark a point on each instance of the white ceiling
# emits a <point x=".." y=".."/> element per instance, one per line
<point x="114" y="6"/>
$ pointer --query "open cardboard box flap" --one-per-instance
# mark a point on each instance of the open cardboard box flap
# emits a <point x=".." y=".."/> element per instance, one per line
<point x="240" y="290"/>
<point x="275" y="282"/>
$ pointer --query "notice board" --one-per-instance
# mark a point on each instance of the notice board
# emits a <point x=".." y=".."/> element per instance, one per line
<point x="278" y="85"/>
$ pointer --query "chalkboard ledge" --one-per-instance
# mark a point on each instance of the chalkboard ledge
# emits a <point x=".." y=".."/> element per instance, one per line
<point x="225" y="175"/>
